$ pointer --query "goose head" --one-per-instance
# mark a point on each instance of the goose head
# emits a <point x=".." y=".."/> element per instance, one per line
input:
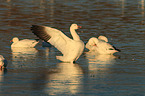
<point x="75" y="26"/>
<point x="91" y="45"/>
<point x="15" y="39"/>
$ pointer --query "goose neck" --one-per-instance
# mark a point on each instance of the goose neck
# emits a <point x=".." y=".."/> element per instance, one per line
<point x="74" y="34"/>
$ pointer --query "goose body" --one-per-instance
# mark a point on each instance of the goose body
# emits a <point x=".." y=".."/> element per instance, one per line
<point x="3" y="62"/>
<point x="24" y="43"/>
<point x="70" y="48"/>
<point x="100" y="45"/>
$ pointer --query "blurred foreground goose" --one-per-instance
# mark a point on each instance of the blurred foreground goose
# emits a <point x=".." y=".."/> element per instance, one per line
<point x="3" y="62"/>
<point x="70" y="48"/>
<point x="24" y="43"/>
<point x="100" y="45"/>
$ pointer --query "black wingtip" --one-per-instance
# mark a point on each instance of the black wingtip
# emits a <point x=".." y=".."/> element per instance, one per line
<point x="40" y="32"/>
<point x="116" y="49"/>
<point x="37" y="40"/>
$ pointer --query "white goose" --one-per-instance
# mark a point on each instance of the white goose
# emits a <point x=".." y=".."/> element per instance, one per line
<point x="24" y="43"/>
<point x="70" y="48"/>
<point x="100" y="45"/>
<point x="3" y="62"/>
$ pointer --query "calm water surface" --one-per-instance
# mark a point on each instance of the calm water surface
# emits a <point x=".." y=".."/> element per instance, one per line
<point x="37" y="72"/>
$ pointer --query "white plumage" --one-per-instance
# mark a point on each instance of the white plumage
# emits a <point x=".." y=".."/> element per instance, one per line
<point x="24" y="43"/>
<point x="100" y="45"/>
<point x="70" y="48"/>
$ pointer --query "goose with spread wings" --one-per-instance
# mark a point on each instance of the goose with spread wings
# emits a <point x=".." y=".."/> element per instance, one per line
<point x="70" y="48"/>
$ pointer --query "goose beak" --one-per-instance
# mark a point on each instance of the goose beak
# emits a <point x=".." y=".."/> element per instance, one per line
<point x="79" y="26"/>
<point x="11" y="41"/>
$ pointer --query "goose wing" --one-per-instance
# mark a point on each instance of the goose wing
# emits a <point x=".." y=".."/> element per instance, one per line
<point x="53" y="36"/>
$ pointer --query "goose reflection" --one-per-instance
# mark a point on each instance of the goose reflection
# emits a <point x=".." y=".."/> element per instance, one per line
<point x="99" y="63"/>
<point x="2" y="72"/>
<point x="123" y="7"/>
<point x="143" y="10"/>
<point x="66" y="79"/>
<point x="20" y="55"/>
<point x="8" y="0"/>
<point x="23" y="52"/>
<point x="49" y="53"/>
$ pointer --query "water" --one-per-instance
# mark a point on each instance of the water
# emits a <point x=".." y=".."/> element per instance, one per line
<point x="37" y="72"/>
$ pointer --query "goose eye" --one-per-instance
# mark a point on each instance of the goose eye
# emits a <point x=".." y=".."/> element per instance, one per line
<point x="95" y="44"/>
<point x="111" y="49"/>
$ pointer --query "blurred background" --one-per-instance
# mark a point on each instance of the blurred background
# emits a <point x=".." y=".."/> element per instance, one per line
<point x="36" y="71"/>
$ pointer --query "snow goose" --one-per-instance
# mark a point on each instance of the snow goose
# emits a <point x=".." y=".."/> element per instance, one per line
<point x="70" y="48"/>
<point x="3" y="62"/>
<point x="24" y="43"/>
<point x="101" y="45"/>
